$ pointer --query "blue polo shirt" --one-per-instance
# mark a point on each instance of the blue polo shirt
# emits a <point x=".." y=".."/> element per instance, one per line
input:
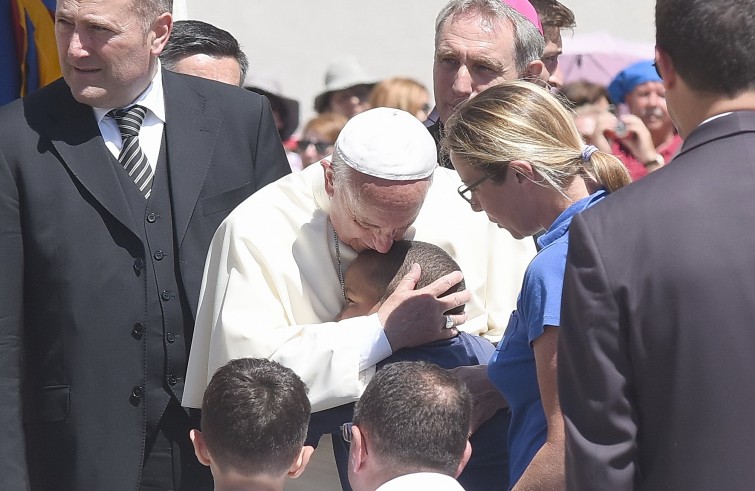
<point x="512" y="367"/>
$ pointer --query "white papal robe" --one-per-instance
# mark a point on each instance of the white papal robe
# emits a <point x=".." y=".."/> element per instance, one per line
<point x="271" y="287"/>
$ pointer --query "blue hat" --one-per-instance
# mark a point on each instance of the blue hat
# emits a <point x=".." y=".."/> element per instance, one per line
<point x="631" y="77"/>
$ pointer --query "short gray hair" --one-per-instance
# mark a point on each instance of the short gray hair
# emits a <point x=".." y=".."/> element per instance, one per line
<point x="343" y="176"/>
<point x="529" y="43"/>
<point x="149" y="10"/>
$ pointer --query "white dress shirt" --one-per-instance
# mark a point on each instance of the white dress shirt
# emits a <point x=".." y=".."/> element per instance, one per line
<point x="421" y="481"/>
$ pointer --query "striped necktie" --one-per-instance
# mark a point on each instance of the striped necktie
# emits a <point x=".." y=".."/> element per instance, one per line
<point x="132" y="157"/>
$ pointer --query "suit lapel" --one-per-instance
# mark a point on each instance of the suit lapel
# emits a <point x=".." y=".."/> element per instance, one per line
<point x="75" y="135"/>
<point x="191" y="133"/>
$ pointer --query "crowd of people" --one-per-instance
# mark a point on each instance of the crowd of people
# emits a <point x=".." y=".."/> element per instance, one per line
<point x="194" y="292"/>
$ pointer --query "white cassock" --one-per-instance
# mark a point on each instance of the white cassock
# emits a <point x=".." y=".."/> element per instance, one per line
<point x="271" y="287"/>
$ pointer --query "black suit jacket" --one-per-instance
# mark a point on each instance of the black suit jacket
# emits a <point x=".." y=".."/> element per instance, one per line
<point x="657" y="345"/>
<point x="68" y="242"/>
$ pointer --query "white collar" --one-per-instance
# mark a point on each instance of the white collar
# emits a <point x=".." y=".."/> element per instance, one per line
<point x="714" y="117"/>
<point x="421" y="480"/>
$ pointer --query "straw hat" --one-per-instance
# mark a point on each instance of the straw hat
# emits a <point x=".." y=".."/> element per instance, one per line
<point x="342" y="74"/>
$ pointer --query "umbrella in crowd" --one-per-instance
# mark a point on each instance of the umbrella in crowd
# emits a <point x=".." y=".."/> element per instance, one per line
<point x="599" y="56"/>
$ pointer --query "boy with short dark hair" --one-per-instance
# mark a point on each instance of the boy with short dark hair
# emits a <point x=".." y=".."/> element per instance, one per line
<point x="373" y="276"/>
<point x="255" y="414"/>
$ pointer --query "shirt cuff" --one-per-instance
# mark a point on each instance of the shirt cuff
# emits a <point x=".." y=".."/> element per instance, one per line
<point x="374" y="344"/>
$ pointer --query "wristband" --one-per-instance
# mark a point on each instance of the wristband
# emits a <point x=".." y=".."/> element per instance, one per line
<point x="657" y="160"/>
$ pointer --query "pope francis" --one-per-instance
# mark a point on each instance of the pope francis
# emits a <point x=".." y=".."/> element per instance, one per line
<point x="273" y="280"/>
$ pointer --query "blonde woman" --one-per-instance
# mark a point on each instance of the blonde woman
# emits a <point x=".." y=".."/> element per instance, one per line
<point x="402" y="93"/>
<point x="524" y="164"/>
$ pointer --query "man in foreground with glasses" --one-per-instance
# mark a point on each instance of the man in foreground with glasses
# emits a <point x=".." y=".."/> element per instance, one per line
<point x="410" y="430"/>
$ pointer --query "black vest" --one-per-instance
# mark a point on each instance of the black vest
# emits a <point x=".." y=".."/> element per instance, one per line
<point x="166" y="328"/>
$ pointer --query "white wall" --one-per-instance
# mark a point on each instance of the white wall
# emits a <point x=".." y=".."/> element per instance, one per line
<point x="295" y="40"/>
<point x="628" y="19"/>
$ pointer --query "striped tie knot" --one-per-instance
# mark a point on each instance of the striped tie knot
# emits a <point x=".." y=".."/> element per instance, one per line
<point x="132" y="157"/>
<point x="129" y="120"/>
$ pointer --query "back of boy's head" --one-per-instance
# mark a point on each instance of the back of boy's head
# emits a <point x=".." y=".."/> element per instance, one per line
<point x="255" y="414"/>
<point x="387" y="270"/>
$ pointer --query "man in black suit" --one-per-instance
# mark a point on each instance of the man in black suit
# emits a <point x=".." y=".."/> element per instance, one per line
<point x="656" y="371"/>
<point x="104" y="228"/>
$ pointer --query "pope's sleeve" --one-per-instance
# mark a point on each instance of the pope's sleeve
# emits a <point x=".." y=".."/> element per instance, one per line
<point x="594" y="373"/>
<point x="243" y="313"/>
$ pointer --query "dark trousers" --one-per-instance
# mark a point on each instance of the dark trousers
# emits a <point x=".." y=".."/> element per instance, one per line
<point x="169" y="460"/>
